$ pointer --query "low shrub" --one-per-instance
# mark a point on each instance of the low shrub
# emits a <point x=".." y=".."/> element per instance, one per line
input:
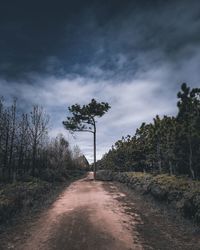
<point x="181" y="193"/>
<point x="20" y="195"/>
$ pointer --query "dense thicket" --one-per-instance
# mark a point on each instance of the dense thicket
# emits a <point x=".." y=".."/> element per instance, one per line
<point x="167" y="145"/>
<point x="25" y="148"/>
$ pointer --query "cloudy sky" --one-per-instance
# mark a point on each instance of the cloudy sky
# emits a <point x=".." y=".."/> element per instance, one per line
<point x="132" y="54"/>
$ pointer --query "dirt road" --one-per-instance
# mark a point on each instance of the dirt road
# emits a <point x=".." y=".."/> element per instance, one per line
<point x="92" y="215"/>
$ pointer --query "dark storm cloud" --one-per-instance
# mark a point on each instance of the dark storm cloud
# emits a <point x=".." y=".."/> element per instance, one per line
<point x="33" y="33"/>
<point x="118" y="37"/>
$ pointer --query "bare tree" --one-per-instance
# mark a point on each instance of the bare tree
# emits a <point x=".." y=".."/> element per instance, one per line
<point x="38" y="128"/>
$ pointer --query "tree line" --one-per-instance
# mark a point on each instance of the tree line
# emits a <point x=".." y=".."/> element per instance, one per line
<point x="170" y="144"/>
<point x="27" y="150"/>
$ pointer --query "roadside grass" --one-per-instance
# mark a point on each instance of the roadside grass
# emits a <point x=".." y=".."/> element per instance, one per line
<point x="180" y="192"/>
<point x="24" y="196"/>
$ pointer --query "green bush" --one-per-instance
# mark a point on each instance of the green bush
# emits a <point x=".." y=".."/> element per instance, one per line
<point x="20" y="195"/>
<point x="181" y="193"/>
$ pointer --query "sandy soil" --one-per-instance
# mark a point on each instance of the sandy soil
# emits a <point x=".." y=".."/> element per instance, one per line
<point x="95" y="215"/>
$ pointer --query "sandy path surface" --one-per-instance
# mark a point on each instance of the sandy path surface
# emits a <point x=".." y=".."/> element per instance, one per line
<point x="85" y="216"/>
<point x="95" y="215"/>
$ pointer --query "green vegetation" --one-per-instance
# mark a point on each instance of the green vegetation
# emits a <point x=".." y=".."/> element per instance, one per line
<point x="181" y="193"/>
<point x="83" y="119"/>
<point x="29" y="195"/>
<point x="21" y="195"/>
<point x="167" y="145"/>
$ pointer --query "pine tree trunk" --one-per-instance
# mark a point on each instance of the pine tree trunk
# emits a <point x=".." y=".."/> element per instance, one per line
<point x="94" y="151"/>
